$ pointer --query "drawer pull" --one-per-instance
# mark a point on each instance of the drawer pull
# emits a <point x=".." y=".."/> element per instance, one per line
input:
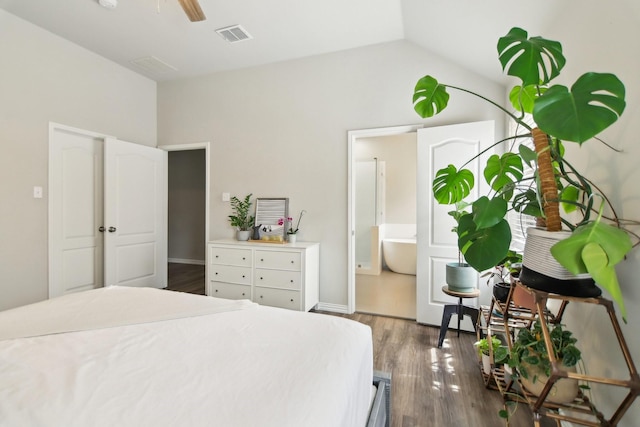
<point x="217" y="256"/>
<point x="261" y="278"/>
<point x="216" y="273"/>
<point x="292" y="262"/>
<point x="291" y="299"/>
<point x="216" y="290"/>
<point x="261" y="259"/>
<point x="261" y="297"/>
<point x="291" y="280"/>
<point x="243" y="294"/>
<point x="243" y="258"/>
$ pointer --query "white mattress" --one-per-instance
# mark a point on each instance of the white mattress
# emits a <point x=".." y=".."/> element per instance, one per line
<point x="222" y="363"/>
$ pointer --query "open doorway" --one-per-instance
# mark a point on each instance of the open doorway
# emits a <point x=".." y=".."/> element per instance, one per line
<point x="382" y="203"/>
<point x="188" y="216"/>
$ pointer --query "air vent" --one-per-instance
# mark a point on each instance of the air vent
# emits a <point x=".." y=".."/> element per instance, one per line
<point x="151" y="64"/>
<point x="234" y="34"/>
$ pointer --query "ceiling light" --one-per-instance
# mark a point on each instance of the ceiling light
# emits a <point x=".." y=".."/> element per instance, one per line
<point x="109" y="4"/>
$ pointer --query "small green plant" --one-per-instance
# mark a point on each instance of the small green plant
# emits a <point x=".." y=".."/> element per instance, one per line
<point x="500" y="352"/>
<point x="529" y="349"/>
<point x="242" y="220"/>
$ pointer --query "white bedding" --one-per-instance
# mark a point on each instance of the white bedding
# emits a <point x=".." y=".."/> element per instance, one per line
<point x="224" y="363"/>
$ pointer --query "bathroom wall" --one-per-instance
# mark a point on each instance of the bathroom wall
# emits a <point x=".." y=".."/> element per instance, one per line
<point x="399" y="154"/>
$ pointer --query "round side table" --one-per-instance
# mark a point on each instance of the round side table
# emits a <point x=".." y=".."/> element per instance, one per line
<point x="459" y="309"/>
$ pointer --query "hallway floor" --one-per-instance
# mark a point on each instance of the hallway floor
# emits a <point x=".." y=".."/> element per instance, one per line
<point x="389" y="294"/>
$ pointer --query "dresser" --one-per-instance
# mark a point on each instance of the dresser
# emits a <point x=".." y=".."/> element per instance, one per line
<point x="275" y="274"/>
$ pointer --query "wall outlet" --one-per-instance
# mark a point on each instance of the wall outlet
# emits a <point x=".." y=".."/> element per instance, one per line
<point x="37" y="192"/>
<point x="226" y="197"/>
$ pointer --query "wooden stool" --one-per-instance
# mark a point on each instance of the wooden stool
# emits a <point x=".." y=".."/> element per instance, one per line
<point x="458" y="309"/>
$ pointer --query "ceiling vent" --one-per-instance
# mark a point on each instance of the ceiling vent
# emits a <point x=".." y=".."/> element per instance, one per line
<point x="234" y="34"/>
<point x="151" y="64"/>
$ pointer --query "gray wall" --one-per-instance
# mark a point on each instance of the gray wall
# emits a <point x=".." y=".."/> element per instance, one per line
<point x="187" y="180"/>
<point x="280" y="130"/>
<point x="43" y="79"/>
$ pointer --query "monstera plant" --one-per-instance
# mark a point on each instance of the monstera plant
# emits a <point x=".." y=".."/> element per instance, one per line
<point x="576" y="114"/>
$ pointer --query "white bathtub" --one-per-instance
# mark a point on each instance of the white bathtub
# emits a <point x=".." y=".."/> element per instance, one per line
<point x="400" y="255"/>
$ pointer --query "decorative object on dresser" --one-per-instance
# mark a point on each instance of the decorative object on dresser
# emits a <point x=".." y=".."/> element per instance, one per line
<point x="291" y="231"/>
<point x="283" y="276"/>
<point x="269" y="212"/>
<point x="242" y="219"/>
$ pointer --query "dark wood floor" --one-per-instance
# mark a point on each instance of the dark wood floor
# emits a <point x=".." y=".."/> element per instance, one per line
<point x="186" y="278"/>
<point x="430" y="386"/>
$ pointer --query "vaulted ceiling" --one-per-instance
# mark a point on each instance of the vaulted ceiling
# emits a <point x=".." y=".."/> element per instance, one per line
<point x="158" y="33"/>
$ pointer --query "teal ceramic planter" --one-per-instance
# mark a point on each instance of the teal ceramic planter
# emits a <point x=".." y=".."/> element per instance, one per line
<point x="461" y="277"/>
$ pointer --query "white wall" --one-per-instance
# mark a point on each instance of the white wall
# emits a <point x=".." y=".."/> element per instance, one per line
<point x="281" y="130"/>
<point x="44" y="78"/>
<point x="601" y="38"/>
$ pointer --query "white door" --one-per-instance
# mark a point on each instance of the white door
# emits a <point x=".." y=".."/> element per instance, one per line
<point x="75" y="211"/>
<point x="135" y="215"/>
<point x="437" y="244"/>
<point x="83" y="254"/>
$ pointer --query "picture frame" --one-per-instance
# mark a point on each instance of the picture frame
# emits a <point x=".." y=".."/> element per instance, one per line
<point x="269" y="212"/>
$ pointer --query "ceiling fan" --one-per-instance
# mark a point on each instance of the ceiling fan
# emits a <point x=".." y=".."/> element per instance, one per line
<point x="193" y="10"/>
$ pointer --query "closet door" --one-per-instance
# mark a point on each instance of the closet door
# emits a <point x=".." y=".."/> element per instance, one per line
<point x="107" y="212"/>
<point x="135" y="214"/>
<point x="75" y="211"/>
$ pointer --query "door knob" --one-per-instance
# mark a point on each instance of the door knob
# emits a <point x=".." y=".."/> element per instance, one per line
<point x="112" y="229"/>
<point x="101" y="229"/>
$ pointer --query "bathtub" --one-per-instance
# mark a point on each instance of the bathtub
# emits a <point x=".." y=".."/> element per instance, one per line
<point x="400" y="255"/>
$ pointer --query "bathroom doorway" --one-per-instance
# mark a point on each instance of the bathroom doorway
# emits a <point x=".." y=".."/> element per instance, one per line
<point x="383" y="221"/>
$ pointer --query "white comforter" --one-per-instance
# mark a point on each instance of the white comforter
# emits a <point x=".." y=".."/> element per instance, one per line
<point x="183" y="361"/>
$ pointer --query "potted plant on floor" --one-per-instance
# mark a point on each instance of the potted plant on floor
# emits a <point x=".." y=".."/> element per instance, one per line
<point x="590" y="248"/>
<point x="242" y="219"/>
<point x="530" y="362"/>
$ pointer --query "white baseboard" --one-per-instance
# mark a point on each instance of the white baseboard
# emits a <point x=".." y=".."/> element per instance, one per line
<point x="186" y="261"/>
<point x="334" y="308"/>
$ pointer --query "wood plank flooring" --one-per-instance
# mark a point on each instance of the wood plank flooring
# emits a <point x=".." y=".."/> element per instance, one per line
<point x="186" y="278"/>
<point x="430" y="386"/>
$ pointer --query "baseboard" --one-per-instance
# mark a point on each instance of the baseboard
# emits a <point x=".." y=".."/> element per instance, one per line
<point x="186" y="261"/>
<point x="333" y="308"/>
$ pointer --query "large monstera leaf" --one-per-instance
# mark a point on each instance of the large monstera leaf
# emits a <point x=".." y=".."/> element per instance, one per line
<point x="534" y="60"/>
<point x="596" y="248"/>
<point x="452" y="186"/>
<point x="429" y="97"/>
<point x="595" y="101"/>
<point x="484" y="235"/>
<point x="503" y="172"/>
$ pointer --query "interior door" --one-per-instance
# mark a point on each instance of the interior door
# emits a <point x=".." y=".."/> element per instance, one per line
<point x="437" y="244"/>
<point x="135" y="214"/>
<point x="75" y="211"/>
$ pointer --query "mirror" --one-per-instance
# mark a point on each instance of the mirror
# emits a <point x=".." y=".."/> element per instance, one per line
<point x="269" y="212"/>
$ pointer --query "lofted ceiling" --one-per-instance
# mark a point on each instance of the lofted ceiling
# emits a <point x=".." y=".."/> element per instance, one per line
<point x="464" y="31"/>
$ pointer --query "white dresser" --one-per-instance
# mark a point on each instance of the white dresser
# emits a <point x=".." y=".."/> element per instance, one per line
<point x="279" y="275"/>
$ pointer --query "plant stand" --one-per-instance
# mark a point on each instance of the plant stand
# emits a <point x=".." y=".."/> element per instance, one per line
<point x="507" y="318"/>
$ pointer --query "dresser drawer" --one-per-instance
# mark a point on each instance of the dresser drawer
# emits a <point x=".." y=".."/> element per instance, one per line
<point x="230" y="273"/>
<point x="278" y="260"/>
<point x="278" y="279"/>
<point x="277" y="298"/>
<point x="230" y="290"/>
<point x="230" y="256"/>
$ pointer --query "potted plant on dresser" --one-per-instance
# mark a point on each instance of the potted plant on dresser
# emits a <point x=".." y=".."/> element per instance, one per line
<point x="242" y="219"/>
<point x="564" y="261"/>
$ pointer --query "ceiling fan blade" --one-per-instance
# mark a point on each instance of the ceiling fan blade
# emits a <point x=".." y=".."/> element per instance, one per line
<point x="193" y="10"/>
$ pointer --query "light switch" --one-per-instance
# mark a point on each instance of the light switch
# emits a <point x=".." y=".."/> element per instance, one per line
<point x="226" y="197"/>
<point x="37" y="192"/>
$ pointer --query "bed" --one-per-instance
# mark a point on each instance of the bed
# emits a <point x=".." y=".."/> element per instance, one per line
<point x="148" y="357"/>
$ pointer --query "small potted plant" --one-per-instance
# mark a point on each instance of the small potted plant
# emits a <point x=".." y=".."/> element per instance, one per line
<point x="292" y="232"/>
<point x="460" y="276"/>
<point x="530" y="361"/>
<point x="242" y="219"/>
<point x="500" y="352"/>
